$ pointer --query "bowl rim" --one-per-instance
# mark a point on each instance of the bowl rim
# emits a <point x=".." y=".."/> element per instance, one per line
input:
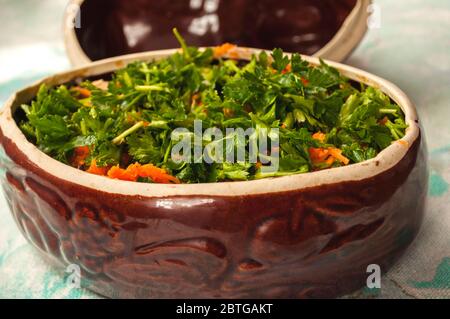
<point x="338" y="48"/>
<point x="385" y="160"/>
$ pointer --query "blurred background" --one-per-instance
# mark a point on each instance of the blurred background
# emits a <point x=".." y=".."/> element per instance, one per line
<point x="410" y="46"/>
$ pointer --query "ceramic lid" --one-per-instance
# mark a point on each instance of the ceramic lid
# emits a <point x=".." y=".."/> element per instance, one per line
<point x="330" y="29"/>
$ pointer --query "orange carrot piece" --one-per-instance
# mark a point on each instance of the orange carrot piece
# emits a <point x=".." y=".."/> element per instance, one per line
<point x="330" y="161"/>
<point x="94" y="169"/>
<point x="383" y="120"/>
<point x="82" y="91"/>
<point x="287" y="69"/>
<point x="116" y="172"/>
<point x="228" y="112"/>
<point x="133" y="171"/>
<point x="327" y="155"/>
<point x="319" y="136"/>
<point x="337" y="153"/>
<point x="224" y="49"/>
<point x="318" y="154"/>
<point x="196" y="100"/>
<point x="158" y="175"/>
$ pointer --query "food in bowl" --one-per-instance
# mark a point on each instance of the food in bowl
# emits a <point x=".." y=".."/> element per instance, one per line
<point x="123" y="128"/>
<point x="297" y="236"/>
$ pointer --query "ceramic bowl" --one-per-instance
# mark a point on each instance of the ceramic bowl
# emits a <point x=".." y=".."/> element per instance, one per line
<point x="330" y="29"/>
<point x="306" y="235"/>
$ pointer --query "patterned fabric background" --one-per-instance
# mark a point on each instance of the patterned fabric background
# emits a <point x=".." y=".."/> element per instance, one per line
<point x="411" y="48"/>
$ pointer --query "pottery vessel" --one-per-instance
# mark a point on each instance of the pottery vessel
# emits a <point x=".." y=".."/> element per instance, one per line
<point x="305" y="235"/>
<point x="330" y="29"/>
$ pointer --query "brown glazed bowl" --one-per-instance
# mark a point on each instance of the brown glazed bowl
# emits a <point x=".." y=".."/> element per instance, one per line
<point x="105" y="28"/>
<point x="306" y="235"/>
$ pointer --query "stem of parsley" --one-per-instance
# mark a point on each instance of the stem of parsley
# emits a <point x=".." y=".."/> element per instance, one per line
<point x="387" y="111"/>
<point x="120" y="138"/>
<point x="153" y="87"/>
<point x="183" y="45"/>
<point x="83" y="127"/>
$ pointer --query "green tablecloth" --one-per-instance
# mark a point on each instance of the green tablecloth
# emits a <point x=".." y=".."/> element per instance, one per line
<point x="411" y="48"/>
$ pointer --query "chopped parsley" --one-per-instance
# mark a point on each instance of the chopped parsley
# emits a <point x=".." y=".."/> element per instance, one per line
<point x="122" y="127"/>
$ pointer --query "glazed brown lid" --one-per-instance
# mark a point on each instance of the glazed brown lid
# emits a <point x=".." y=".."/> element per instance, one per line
<point x="325" y="28"/>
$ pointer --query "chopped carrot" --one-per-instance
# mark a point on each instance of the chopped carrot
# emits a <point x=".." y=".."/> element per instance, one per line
<point x="319" y="136"/>
<point x="94" y="169"/>
<point x="130" y="118"/>
<point x="383" y="120"/>
<point x="305" y="81"/>
<point x="158" y="175"/>
<point x="337" y="153"/>
<point x="119" y="173"/>
<point x="318" y="154"/>
<point x="330" y="161"/>
<point x="196" y="100"/>
<point x="287" y="69"/>
<point x="133" y="171"/>
<point x="234" y="54"/>
<point x="228" y="112"/>
<point x="80" y="154"/>
<point x="328" y="156"/>
<point x="225" y="49"/>
<point x="83" y="92"/>
<point x="133" y="117"/>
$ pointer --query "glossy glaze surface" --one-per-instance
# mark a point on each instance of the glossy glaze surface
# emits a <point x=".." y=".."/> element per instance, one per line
<point x="116" y="27"/>
<point x="314" y="242"/>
